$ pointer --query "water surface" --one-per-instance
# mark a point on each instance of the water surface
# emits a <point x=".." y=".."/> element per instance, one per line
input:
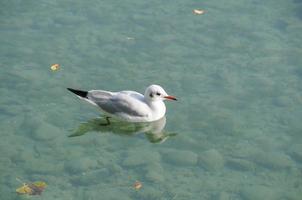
<point x="235" y="132"/>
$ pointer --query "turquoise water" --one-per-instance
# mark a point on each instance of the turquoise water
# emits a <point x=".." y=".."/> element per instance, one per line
<point x="235" y="132"/>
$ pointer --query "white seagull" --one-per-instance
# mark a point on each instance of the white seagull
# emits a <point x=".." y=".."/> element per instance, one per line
<point x="129" y="106"/>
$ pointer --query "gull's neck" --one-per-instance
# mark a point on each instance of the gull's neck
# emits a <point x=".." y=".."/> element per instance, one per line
<point x="158" y="109"/>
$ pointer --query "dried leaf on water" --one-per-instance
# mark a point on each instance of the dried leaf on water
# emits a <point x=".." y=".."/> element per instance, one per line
<point x="198" y="11"/>
<point x="35" y="188"/>
<point x="137" y="185"/>
<point x="54" y="67"/>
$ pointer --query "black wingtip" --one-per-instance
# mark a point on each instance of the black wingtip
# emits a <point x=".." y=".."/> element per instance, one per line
<point x="78" y="92"/>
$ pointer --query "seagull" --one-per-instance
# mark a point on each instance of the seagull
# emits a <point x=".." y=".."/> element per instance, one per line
<point x="127" y="105"/>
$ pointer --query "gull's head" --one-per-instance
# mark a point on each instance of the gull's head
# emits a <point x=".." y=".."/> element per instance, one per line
<point x="157" y="93"/>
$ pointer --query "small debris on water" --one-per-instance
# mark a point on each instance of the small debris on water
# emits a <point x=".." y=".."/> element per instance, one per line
<point x="137" y="185"/>
<point x="198" y="11"/>
<point x="55" y="67"/>
<point x="35" y="188"/>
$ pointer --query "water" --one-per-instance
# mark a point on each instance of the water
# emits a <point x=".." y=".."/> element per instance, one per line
<point x="235" y="132"/>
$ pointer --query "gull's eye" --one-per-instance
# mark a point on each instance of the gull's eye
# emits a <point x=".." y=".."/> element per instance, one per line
<point x="151" y="95"/>
<point x="157" y="93"/>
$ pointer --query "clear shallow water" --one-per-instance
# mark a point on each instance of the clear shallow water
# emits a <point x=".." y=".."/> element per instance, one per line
<point x="236" y="70"/>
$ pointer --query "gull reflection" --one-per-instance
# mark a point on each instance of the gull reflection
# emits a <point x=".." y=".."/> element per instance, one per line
<point x="154" y="131"/>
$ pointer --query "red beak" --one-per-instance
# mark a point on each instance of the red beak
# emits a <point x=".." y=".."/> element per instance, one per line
<point x="170" y="98"/>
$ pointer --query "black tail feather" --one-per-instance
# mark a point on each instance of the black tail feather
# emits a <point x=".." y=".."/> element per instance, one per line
<point x="78" y="92"/>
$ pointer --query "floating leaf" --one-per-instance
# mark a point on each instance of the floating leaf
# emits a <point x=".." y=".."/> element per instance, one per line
<point x="40" y="184"/>
<point x="54" y="67"/>
<point x="35" y="188"/>
<point x="25" y="189"/>
<point x="198" y="12"/>
<point x="137" y="185"/>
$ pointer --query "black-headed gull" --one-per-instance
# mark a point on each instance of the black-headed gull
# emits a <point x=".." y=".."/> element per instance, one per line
<point x="129" y="106"/>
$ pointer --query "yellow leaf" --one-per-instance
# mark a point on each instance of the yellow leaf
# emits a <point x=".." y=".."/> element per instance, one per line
<point x="137" y="185"/>
<point x="54" y="67"/>
<point x="40" y="184"/>
<point x="35" y="188"/>
<point x="25" y="189"/>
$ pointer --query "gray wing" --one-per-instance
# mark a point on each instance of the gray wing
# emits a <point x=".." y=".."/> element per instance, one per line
<point x="127" y="102"/>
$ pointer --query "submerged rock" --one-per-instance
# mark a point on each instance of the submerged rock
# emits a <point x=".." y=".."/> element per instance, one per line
<point x="154" y="176"/>
<point x="272" y="160"/>
<point x="149" y="193"/>
<point x="155" y="172"/>
<point x="46" y="131"/>
<point x="296" y="152"/>
<point x="211" y="160"/>
<point x="80" y="165"/>
<point x="240" y="164"/>
<point x="106" y="193"/>
<point x="222" y="196"/>
<point x="42" y="166"/>
<point x="91" y="178"/>
<point x="180" y="157"/>
<point x="258" y="192"/>
<point x="136" y="158"/>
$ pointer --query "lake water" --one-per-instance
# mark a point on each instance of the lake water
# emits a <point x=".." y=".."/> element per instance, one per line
<point x="235" y="133"/>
